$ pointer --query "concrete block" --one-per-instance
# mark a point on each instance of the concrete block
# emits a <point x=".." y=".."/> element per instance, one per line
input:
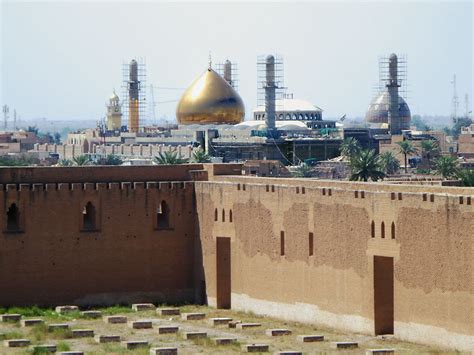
<point x="56" y="326"/>
<point x="167" y="329"/>
<point x="248" y="325"/>
<point x="163" y="351"/>
<point x="73" y="352"/>
<point x="107" y="339"/>
<point x="193" y="316"/>
<point x="195" y="335"/>
<point x="138" y="307"/>
<point x="224" y="341"/>
<point x="255" y="348"/>
<point x="91" y="314"/>
<point x="168" y="312"/>
<point x="82" y="333"/>
<point x="288" y="352"/>
<point x="10" y="317"/>
<point x="310" y="338"/>
<point x="115" y="319"/>
<point x="344" y="345"/>
<point x="45" y="348"/>
<point x="31" y="322"/>
<point x="219" y="321"/>
<point x="16" y="343"/>
<point x="380" y="351"/>
<point x="135" y="344"/>
<point x="277" y="332"/>
<point x="141" y="324"/>
<point x="66" y="309"/>
<point x="233" y="324"/>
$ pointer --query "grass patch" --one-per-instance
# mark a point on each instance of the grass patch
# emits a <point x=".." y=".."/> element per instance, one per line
<point x="61" y="333"/>
<point x="39" y="331"/>
<point x="118" y="309"/>
<point x="63" y="346"/>
<point x="13" y="335"/>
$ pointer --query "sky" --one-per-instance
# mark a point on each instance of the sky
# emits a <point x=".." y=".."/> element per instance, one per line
<point x="61" y="60"/>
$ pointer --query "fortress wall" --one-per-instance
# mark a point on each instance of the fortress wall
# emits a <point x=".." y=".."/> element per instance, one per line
<point x="432" y="251"/>
<point x="52" y="259"/>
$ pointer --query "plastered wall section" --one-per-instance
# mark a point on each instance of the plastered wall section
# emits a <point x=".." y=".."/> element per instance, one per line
<point x="52" y="260"/>
<point x="432" y="248"/>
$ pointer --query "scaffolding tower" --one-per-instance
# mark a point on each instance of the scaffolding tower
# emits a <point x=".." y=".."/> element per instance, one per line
<point x="233" y="80"/>
<point x="262" y="81"/>
<point x="402" y="74"/>
<point x="141" y="75"/>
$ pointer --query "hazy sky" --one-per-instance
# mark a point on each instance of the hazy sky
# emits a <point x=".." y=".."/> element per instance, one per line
<point x="61" y="60"/>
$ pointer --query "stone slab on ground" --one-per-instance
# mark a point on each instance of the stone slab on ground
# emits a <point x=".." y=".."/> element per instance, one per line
<point x="344" y="345"/>
<point x="91" y="314"/>
<point x="193" y="316"/>
<point x="135" y="344"/>
<point x="115" y="319"/>
<point x="141" y="324"/>
<point x="44" y="348"/>
<point x="73" y="352"/>
<point x="66" y="309"/>
<point x="16" y="343"/>
<point x="277" y="332"/>
<point x="224" y="341"/>
<point x="195" y="335"/>
<point x="82" y="333"/>
<point x="10" y="317"/>
<point x="255" y="348"/>
<point x="248" y="325"/>
<point x="219" y="321"/>
<point x="56" y="326"/>
<point x="163" y="351"/>
<point x="380" y="351"/>
<point x="288" y="352"/>
<point x="168" y="329"/>
<point x="31" y="322"/>
<point x="138" y="307"/>
<point x="101" y="339"/>
<point x="310" y="338"/>
<point x="168" y="312"/>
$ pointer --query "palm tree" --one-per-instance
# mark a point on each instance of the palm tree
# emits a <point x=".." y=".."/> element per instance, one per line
<point x="350" y="147"/>
<point x="446" y="166"/>
<point x="200" y="156"/>
<point x="366" y="165"/>
<point x="430" y="148"/>
<point x="467" y="177"/>
<point x="389" y="162"/>
<point x="169" y="158"/>
<point x="81" y="160"/>
<point x="406" y="147"/>
<point x="302" y="171"/>
<point x="65" y="162"/>
<point x="113" y="159"/>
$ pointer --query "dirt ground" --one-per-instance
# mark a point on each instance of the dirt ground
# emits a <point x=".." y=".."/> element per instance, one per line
<point x="39" y="334"/>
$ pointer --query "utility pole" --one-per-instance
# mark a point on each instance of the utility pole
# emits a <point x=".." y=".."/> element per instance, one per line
<point x="455" y="100"/>
<point x="5" y="110"/>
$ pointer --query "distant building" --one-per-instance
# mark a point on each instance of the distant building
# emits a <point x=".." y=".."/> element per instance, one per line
<point x="466" y="142"/>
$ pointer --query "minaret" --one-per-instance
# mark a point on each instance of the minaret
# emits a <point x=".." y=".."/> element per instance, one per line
<point x="393" y="85"/>
<point x="228" y="72"/>
<point x="133" y="97"/>
<point x="270" y="90"/>
<point x="114" y="113"/>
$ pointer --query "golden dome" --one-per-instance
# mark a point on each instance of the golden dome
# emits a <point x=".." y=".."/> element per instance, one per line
<point x="210" y="99"/>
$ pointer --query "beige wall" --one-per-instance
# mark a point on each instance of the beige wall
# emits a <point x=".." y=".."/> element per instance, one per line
<point x="433" y="253"/>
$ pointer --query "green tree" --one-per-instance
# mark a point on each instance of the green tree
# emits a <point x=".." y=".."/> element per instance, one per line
<point x="406" y="147"/>
<point x="460" y="122"/>
<point x="33" y="129"/>
<point x="81" y="160"/>
<point x="57" y="138"/>
<point x="446" y="166"/>
<point x="389" y="163"/>
<point x="112" y="159"/>
<point x="65" y="162"/>
<point x="466" y="176"/>
<point x="420" y="123"/>
<point x="302" y="171"/>
<point x="169" y="158"/>
<point x="200" y="156"/>
<point x="430" y="148"/>
<point x="366" y="165"/>
<point x="350" y="147"/>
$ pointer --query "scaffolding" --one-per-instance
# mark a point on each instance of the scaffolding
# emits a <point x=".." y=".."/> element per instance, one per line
<point x="234" y="73"/>
<point x="280" y="88"/>
<point x="384" y="76"/>
<point x="141" y="78"/>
